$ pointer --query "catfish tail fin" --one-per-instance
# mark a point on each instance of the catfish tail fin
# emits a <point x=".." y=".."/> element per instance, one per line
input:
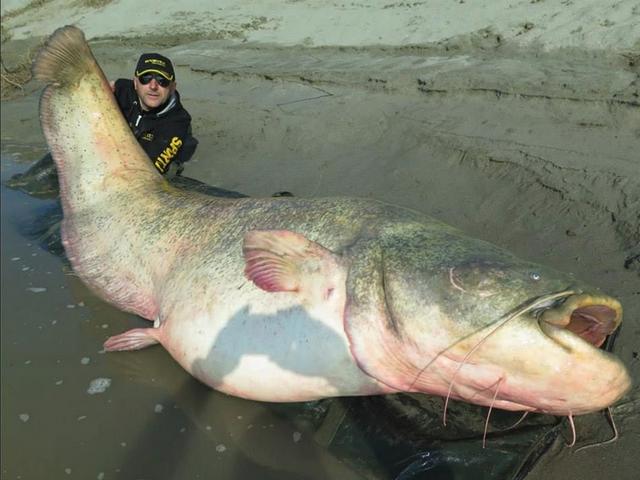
<point x="65" y="58"/>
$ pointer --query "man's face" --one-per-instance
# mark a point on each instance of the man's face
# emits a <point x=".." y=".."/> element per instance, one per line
<point x="152" y="94"/>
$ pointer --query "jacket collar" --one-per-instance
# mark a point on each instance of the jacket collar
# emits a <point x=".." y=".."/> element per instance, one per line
<point x="162" y="109"/>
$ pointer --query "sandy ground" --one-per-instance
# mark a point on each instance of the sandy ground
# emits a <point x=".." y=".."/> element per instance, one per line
<point x="518" y="122"/>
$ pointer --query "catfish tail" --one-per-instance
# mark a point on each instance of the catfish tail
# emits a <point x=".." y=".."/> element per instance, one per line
<point x="84" y="127"/>
<point x="65" y="58"/>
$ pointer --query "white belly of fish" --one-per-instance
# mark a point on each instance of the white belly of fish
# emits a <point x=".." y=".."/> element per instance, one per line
<point x="269" y="350"/>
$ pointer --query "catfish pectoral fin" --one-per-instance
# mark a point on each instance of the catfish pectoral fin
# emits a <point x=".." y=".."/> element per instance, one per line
<point x="281" y="260"/>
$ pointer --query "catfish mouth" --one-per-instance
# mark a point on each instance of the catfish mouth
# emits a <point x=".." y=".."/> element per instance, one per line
<point x="590" y="317"/>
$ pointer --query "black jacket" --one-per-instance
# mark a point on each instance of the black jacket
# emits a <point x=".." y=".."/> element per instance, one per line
<point x="164" y="132"/>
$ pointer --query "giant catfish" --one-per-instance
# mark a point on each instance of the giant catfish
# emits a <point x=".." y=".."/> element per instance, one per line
<point x="292" y="299"/>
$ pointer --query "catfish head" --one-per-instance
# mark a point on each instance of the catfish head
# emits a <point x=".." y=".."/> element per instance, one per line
<point x="430" y="310"/>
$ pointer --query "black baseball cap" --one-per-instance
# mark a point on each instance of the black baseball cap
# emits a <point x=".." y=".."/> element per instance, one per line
<point x="155" y="63"/>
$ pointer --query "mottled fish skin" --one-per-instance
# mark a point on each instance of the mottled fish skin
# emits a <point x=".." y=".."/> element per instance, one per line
<point x="290" y="299"/>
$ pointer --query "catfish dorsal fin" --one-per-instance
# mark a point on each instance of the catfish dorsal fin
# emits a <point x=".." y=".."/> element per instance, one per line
<point x="285" y="261"/>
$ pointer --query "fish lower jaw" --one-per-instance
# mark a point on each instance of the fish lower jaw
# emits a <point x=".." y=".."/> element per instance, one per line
<point x="490" y="386"/>
<point x="531" y="404"/>
<point x="569" y="398"/>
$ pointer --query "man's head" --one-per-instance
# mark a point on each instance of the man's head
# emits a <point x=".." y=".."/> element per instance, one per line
<point x="154" y="80"/>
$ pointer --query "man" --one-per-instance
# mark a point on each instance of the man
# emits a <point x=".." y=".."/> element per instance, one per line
<point x="151" y="105"/>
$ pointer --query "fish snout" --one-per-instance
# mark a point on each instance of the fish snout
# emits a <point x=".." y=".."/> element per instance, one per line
<point x="590" y="317"/>
<point x="580" y="325"/>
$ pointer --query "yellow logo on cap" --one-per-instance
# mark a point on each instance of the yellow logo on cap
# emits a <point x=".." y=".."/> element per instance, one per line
<point x="155" y="61"/>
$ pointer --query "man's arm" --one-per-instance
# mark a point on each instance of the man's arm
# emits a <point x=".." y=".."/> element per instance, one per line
<point x="188" y="147"/>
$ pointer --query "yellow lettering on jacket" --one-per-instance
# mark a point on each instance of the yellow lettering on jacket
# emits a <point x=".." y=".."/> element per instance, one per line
<point x="166" y="156"/>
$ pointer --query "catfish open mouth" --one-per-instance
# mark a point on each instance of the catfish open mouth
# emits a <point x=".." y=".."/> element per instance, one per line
<point x="590" y="317"/>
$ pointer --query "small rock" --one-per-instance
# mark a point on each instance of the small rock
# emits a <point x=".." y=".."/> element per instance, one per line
<point x="36" y="289"/>
<point x="98" y="385"/>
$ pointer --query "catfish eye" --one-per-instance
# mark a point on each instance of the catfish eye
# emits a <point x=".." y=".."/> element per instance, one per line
<point x="535" y="276"/>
